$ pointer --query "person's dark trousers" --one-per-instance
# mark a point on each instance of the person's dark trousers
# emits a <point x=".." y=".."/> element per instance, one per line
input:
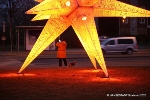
<point x="60" y="61"/>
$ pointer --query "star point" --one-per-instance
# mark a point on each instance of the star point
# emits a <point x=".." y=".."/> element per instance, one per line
<point x="80" y="15"/>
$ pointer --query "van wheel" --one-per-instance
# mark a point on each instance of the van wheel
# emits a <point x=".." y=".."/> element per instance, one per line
<point x="129" y="51"/>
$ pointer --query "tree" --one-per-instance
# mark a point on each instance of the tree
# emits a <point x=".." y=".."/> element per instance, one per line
<point x="15" y="9"/>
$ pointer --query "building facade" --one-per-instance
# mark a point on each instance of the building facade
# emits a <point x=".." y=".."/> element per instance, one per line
<point x="135" y="26"/>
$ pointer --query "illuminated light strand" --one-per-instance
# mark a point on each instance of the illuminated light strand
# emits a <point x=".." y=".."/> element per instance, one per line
<point x="68" y="3"/>
<point x="56" y="7"/>
<point x="86" y="47"/>
<point x="39" y="0"/>
<point x="88" y="50"/>
<point x="89" y="36"/>
<point x="82" y="21"/>
<point x="41" y="17"/>
<point x="46" y="38"/>
<point x="79" y="28"/>
<point x="118" y="9"/>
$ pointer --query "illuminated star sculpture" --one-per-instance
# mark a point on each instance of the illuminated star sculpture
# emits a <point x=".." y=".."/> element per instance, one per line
<point x="80" y="15"/>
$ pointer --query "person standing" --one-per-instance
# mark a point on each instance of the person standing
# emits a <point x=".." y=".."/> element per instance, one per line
<point x="61" y="52"/>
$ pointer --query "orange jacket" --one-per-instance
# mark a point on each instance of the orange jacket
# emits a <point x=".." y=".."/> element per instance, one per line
<point x="61" y="52"/>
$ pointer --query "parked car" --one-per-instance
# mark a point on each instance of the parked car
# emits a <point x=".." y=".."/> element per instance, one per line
<point x="124" y="45"/>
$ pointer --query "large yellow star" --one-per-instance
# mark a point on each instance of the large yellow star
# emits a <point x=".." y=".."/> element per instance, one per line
<point x="80" y="15"/>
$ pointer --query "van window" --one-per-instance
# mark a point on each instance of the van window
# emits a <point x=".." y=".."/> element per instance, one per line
<point x="111" y="42"/>
<point x="125" y="41"/>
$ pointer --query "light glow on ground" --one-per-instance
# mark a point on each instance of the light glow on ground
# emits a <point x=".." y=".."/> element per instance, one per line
<point x="16" y="75"/>
<point x="90" y="70"/>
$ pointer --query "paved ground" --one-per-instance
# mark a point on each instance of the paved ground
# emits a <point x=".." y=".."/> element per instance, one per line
<point x="48" y="58"/>
<point x="77" y="83"/>
<point x="73" y="83"/>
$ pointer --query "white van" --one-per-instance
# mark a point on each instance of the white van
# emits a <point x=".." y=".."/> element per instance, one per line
<point x="124" y="45"/>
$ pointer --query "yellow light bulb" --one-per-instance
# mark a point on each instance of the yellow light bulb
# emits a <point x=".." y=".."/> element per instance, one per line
<point x="84" y="18"/>
<point x="68" y="3"/>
